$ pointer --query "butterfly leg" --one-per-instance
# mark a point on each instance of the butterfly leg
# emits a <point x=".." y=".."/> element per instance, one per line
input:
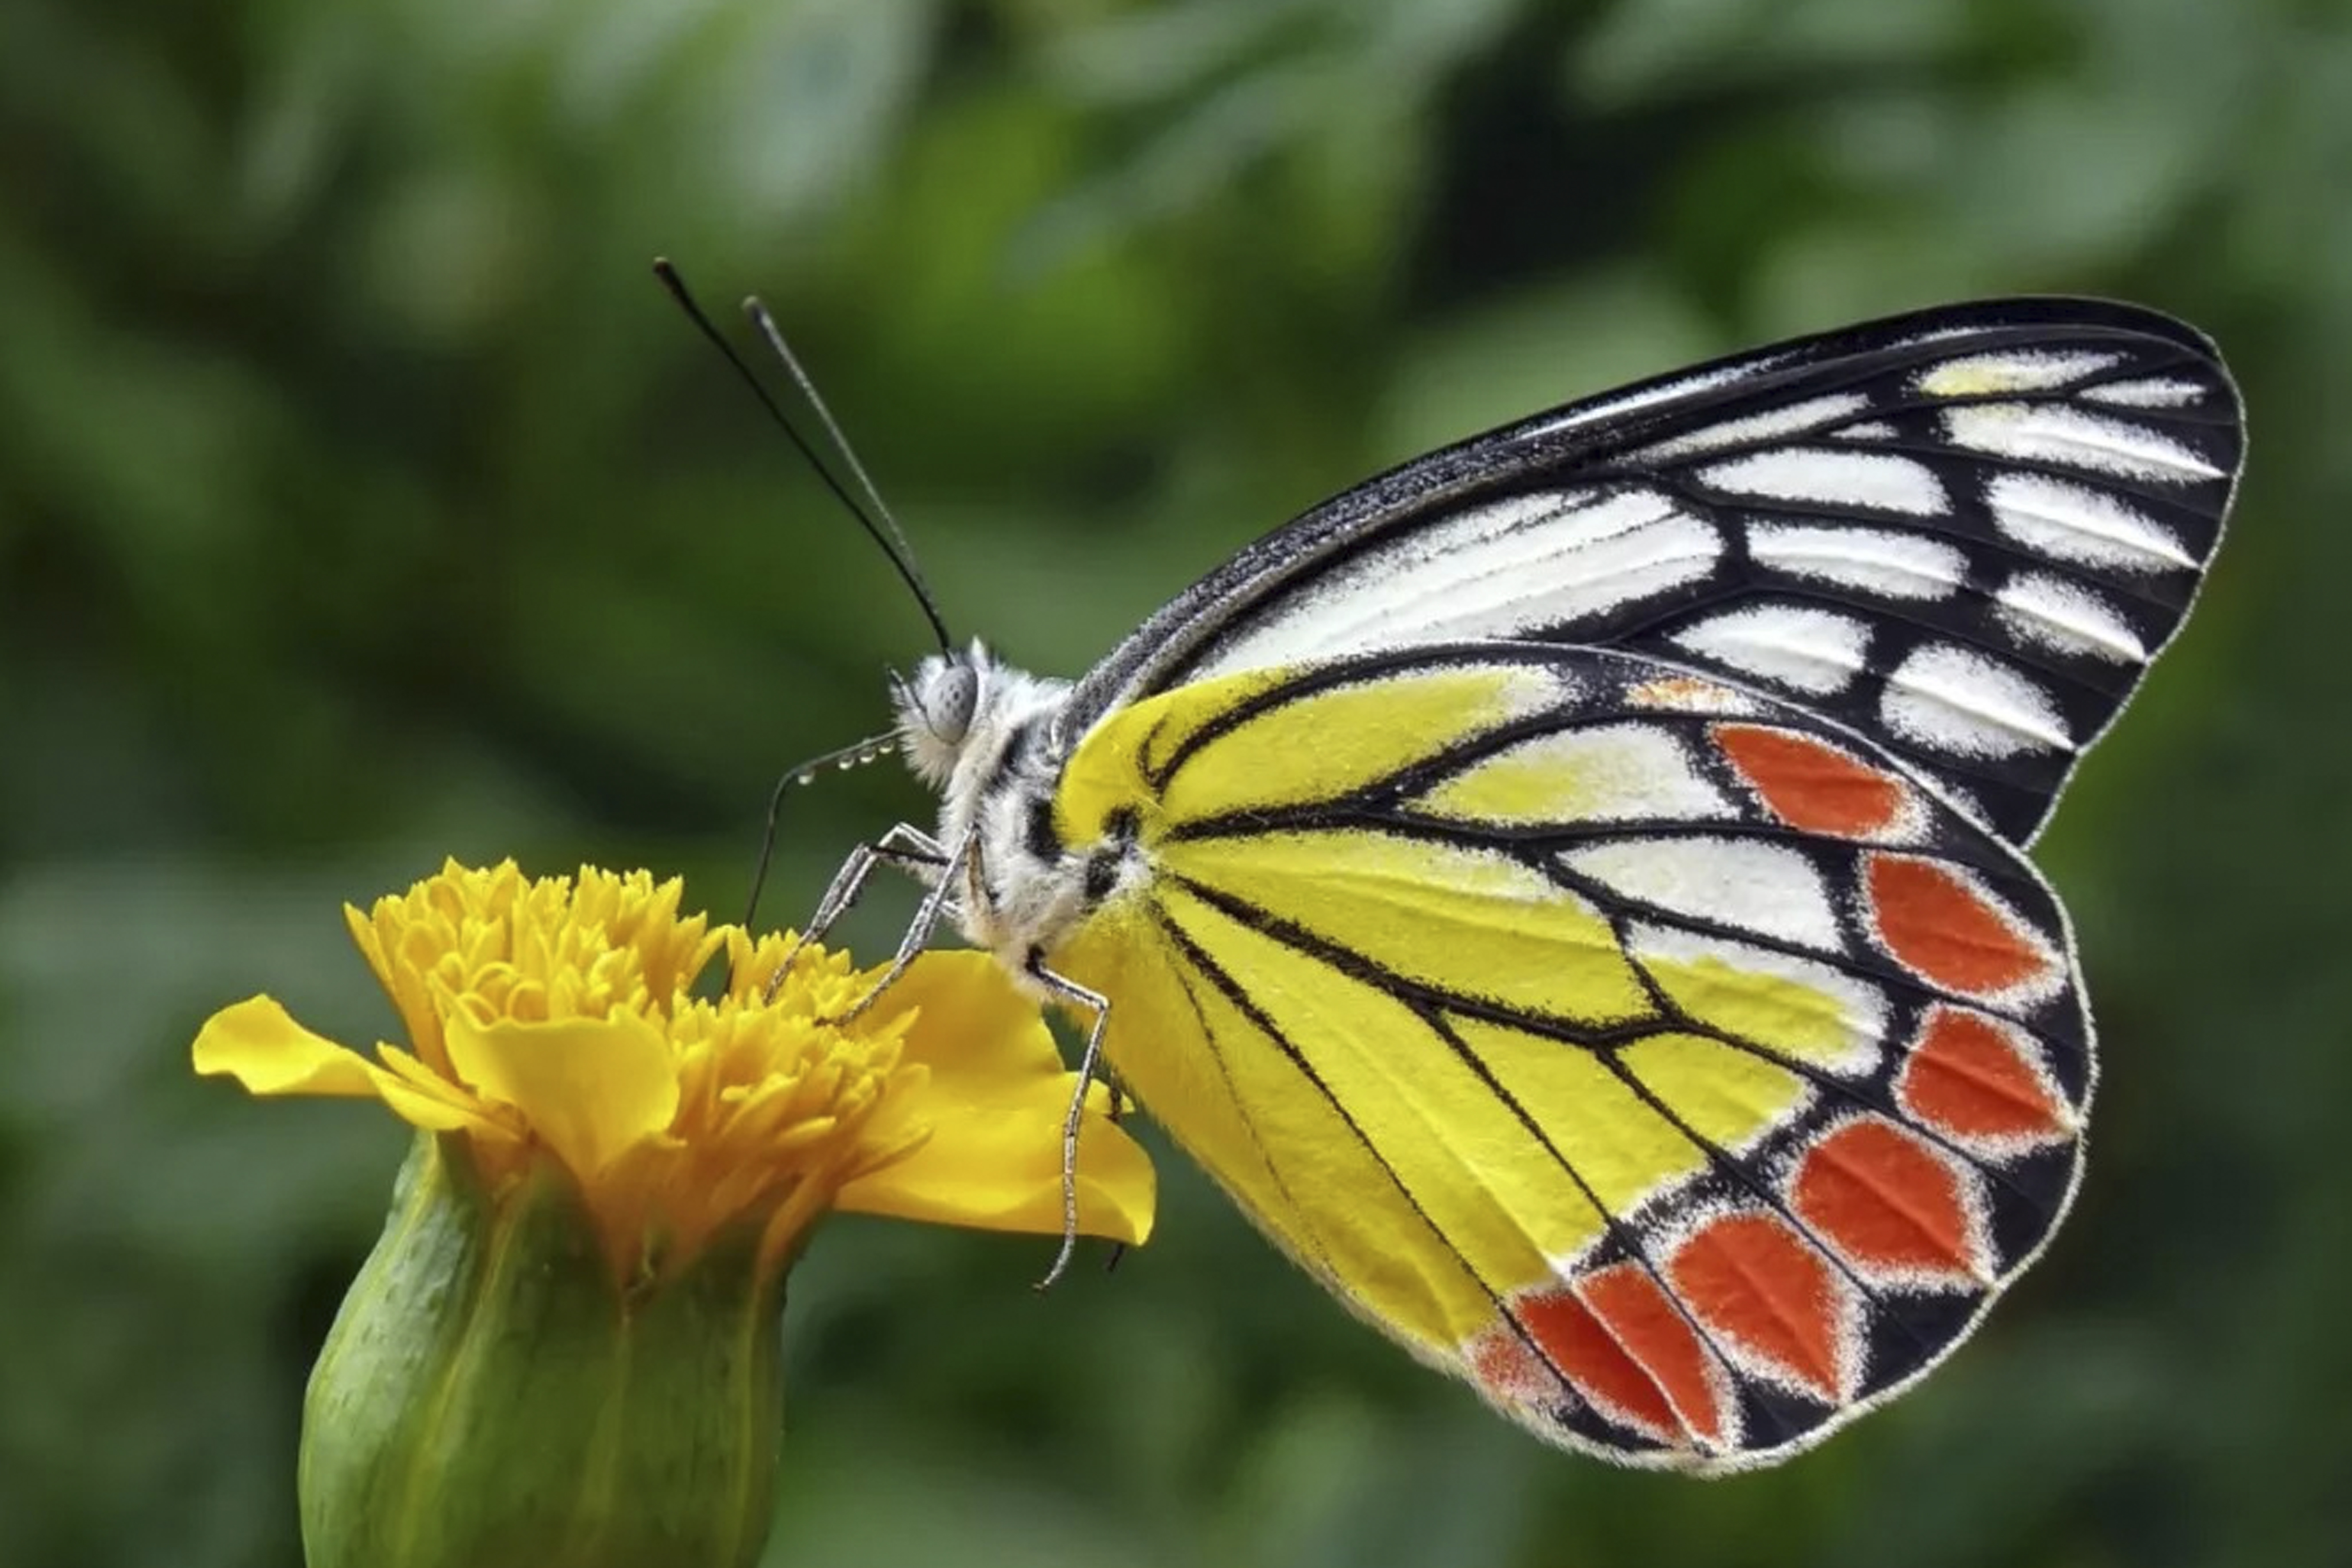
<point x="928" y="915"/>
<point x="905" y="846"/>
<point x="1091" y="1068"/>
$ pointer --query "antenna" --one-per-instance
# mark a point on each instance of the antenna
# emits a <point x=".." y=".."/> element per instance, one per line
<point x="905" y="553"/>
<point x="847" y="758"/>
<point x="885" y="534"/>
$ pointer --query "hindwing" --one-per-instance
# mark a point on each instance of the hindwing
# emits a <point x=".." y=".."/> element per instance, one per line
<point x="1964" y="532"/>
<point x="1673" y="1065"/>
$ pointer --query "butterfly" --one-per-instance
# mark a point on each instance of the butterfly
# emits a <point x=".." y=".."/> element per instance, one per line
<point x="1570" y="889"/>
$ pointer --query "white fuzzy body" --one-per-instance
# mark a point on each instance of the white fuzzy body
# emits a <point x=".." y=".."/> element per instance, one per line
<point x="994" y="763"/>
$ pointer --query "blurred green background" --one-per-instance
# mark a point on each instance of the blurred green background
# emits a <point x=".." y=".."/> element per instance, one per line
<point x="361" y="500"/>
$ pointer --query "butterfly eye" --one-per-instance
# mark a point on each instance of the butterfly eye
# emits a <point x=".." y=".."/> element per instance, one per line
<point x="949" y="704"/>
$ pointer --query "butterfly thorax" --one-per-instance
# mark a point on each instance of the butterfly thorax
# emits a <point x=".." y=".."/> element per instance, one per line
<point x="985" y="736"/>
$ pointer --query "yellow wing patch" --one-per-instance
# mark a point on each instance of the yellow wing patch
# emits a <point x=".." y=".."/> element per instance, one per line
<point x="1593" y="1121"/>
<point x="1359" y="1050"/>
<point x="1337" y="740"/>
<point x="1241" y="1101"/>
<point x="1521" y="941"/>
<point x="1607" y="773"/>
<point x="1728" y="1096"/>
<point x="1800" y="1008"/>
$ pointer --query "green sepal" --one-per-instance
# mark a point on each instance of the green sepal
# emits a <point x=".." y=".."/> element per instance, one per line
<point x="491" y="1397"/>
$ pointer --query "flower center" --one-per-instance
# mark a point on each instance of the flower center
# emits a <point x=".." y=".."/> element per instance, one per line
<point x="565" y="1014"/>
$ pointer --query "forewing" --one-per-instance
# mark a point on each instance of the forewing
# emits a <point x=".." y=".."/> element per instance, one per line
<point x="1965" y="533"/>
<point x="1668" y="1063"/>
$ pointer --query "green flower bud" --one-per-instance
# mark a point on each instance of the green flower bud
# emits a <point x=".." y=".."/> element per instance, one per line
<point x="491" y="1396"/>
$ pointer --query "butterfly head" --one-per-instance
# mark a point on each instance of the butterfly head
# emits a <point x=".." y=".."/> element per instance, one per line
<point x="940" y="707"/>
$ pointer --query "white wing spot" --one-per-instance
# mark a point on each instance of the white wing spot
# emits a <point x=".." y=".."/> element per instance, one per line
<point x="1766" y="887"/>
<point x="1869" y="560"/>
<point x="2051" y="433"/>
<point x="1868" y="430"/>
<point x="2154" y="392"/>
<point x="1813" y="651"/>
<point x="1960" y="703"/>
<point x="1495" y="571"/>
<point x="2052" y="613"/>
<point x="2075" y="523"/>
<point x="2034" y="370"/>
<point x="1827" y="476"/>
<point x="1808" y="414"/>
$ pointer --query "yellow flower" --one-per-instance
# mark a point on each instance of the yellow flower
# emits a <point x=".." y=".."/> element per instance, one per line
<point x="558" y="1018"/>
<point x="562" y="1350"/>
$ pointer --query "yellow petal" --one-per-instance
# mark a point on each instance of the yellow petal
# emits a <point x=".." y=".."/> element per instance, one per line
<point x="422" y="1098"/>
<point x="259" y="1043"/>
<point x="591" y="1087"/>
<point x="998" y="1166"/>
<point x="977" y="1038"/>
<point x="978" y="1031"/>
<point x="994" y="1105"/>
<point x="402" y="984"/>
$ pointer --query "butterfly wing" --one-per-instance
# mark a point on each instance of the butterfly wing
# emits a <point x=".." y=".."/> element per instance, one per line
<point x="1669" y="1063"/>
<point x="1964" y="532"/>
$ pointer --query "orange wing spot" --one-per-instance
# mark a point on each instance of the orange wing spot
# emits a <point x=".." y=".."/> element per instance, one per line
<point x="1969" y="1077"/>
<point x="1642" y="1319"/>
<point x="1752" y="1278"/>
<point x="1810" y="785"/>
<point x="1946" y="931"/>
<point x="1588" y="1356"/>
<point x="1885" y="1201"/>
<point x="1510" y="1371"/>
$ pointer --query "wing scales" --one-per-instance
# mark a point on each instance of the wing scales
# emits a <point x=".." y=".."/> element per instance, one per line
<point x="1964" y="532"/>
<point x="1684" y="1134"/>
